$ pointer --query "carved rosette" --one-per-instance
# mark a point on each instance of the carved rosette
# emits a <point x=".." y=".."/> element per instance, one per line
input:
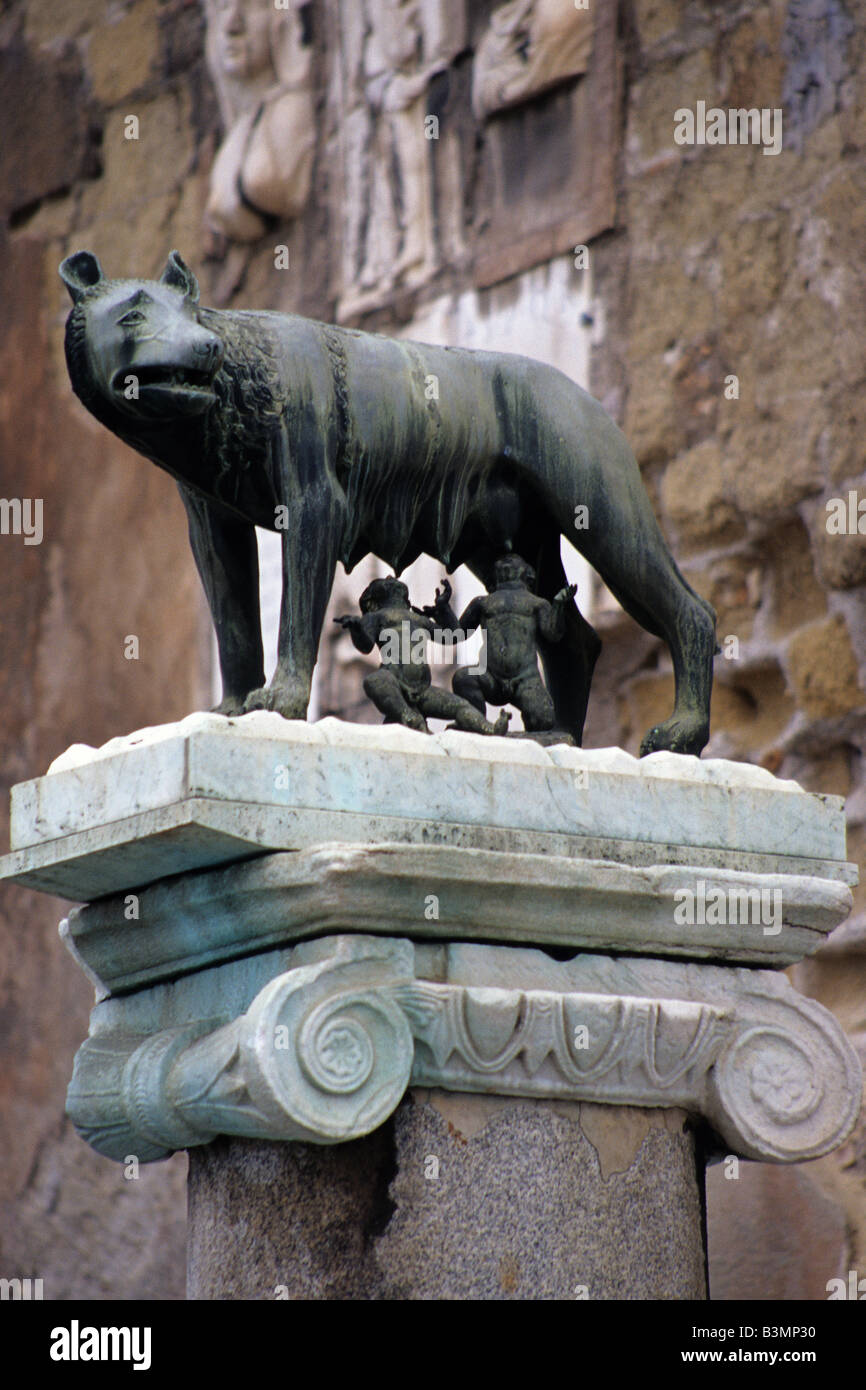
<point x="787" y="1094"/>
<point x="326" y="1050"/>
<point x="333" y="1052"/>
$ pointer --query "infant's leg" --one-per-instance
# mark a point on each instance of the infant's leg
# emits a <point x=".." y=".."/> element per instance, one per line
<point x="476" y="687"/>
<point x="385" y="691"/>
<point x="535" y="704"/>
<point x="441" y="704"/>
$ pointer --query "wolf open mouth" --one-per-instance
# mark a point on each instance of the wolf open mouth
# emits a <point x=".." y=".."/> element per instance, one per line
<point x="188" y="377"/>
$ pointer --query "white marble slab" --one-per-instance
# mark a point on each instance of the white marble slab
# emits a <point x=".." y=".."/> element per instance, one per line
<point x="262" y="762"/>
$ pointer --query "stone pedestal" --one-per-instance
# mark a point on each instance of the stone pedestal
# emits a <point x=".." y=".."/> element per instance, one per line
<point x="441" y="1017"/>
<point x="456" y="1197"/>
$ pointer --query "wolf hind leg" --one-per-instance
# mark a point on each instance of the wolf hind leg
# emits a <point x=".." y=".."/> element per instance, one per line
<point x="568" y="664"/>
<point x="664" y="603"/>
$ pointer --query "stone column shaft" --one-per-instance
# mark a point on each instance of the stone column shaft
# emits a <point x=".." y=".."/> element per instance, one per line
<point x="456" y="1197"/>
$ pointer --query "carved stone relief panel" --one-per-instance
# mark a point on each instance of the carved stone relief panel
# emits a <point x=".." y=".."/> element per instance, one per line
<point x="470" y="142"/>
<point x="390" y="51"/>
<point x="436" y="145"/>
<point x="549" y="134"/>
<point x="529" y="47"/>
<point x="259" y="58"/>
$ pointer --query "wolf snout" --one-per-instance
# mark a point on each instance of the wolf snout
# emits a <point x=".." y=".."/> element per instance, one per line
<point x="208" y="353"/>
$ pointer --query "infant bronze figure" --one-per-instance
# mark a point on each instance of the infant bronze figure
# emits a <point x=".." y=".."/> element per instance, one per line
<point x="402" y="688"/>
<point x="514" y="621"/>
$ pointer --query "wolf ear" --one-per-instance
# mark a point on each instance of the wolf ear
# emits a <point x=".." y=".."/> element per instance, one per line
<point x="180" y="277"/>
<point x="79" y="273"/>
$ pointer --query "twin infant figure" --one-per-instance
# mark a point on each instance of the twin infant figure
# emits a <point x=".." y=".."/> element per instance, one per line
<point x="513" y="619"/>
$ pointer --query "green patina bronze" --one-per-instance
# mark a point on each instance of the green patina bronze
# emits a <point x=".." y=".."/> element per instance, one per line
<point x="335" y="438"/>
<point x="402" y="689"/>
<point x="514" y="621"/>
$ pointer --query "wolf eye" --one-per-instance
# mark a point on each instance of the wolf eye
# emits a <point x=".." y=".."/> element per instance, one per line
<point x="134" y="316"/>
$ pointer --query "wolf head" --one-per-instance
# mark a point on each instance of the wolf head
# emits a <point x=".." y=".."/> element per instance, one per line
<point x="137" y="346"/>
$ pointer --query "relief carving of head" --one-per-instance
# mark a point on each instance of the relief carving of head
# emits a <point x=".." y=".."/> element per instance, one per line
<point x="260" y="60"/>
<point x="242" y="36"/>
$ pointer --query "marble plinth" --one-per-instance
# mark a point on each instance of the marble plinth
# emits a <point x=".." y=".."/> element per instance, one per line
<point x="212" y="790"/>
<point x="295" y="931"/>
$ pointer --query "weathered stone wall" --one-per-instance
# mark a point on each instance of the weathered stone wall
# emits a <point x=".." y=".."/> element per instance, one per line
<point x="726" y="261"/>
<point x="113" y="562"/>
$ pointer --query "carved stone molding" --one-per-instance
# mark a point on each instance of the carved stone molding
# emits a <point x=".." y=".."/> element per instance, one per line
<point x="324" y="1050"/>
<point x="482" y="894"/>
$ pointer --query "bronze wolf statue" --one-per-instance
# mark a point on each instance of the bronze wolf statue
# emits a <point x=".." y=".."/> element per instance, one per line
<point x="351" y="443"/>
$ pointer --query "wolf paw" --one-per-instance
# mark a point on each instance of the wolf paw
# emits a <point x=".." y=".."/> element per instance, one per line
<point x="230" y="705"/>
<point x="682" y="733"/>
<point x="288" y="698"/>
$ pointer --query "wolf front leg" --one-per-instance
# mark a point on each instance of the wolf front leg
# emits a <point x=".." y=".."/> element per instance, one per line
<point x="227" y="559"/>
<point x="311" y="548"/>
